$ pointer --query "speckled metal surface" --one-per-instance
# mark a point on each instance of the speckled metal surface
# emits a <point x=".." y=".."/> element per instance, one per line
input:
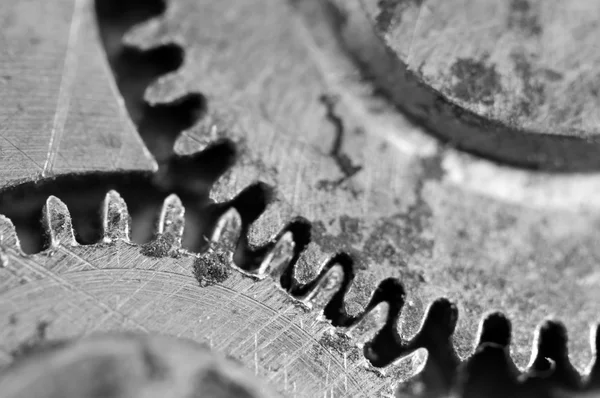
<point x="415" y="265"/>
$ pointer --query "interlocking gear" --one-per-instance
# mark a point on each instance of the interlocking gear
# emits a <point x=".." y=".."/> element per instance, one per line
<point x="408" y="233"/>
<point x="444" y="223"/>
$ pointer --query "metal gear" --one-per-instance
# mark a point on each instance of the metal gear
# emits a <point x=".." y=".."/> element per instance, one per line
<point x="485" y="236"/>
<point x="60" y="110"/>
<point x="449" y="228"/>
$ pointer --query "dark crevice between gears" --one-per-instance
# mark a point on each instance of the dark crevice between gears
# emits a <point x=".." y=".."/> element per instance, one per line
<point x="84" y="194"/>
<point x="159" y="125"/>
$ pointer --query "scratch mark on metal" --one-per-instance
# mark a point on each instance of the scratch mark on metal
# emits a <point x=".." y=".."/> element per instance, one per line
<point x="64" y="94"/>
<point x="65" y="284"/>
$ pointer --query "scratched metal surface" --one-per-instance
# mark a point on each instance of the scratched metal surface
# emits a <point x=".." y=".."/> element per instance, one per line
<point x="59" y="109"/>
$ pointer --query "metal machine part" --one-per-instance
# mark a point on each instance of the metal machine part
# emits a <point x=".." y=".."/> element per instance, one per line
<point x="419" y="259"/>
<point x="60" y="110"/>
<point x="482" y="235"/>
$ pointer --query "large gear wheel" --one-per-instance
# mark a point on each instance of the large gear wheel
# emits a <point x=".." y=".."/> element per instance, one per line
<point x="426" y="269"/>
<point x="118" y="285"/>
<point x="487" y="237"/>
<point x="128" y="365"/>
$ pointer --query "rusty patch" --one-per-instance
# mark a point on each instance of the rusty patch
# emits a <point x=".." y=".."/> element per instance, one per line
<point x="475" y="81"/>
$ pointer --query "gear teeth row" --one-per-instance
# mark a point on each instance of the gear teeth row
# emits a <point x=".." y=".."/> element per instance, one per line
<point x="375" y="330"/>
<point x="376" y="327"/>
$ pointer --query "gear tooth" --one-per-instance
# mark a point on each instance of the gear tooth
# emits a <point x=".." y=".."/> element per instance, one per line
<point x="382" y="314"/>
<point x="227" y="231"/>
<point x="172" y="221"/>
<point x="8" y="234"/>
<point x="325" y="287"/>
<point x="115" y="218"/>
<point x="370" y="324"/>
<point x="278" y="259"/>
<point x="58" y="224"/>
